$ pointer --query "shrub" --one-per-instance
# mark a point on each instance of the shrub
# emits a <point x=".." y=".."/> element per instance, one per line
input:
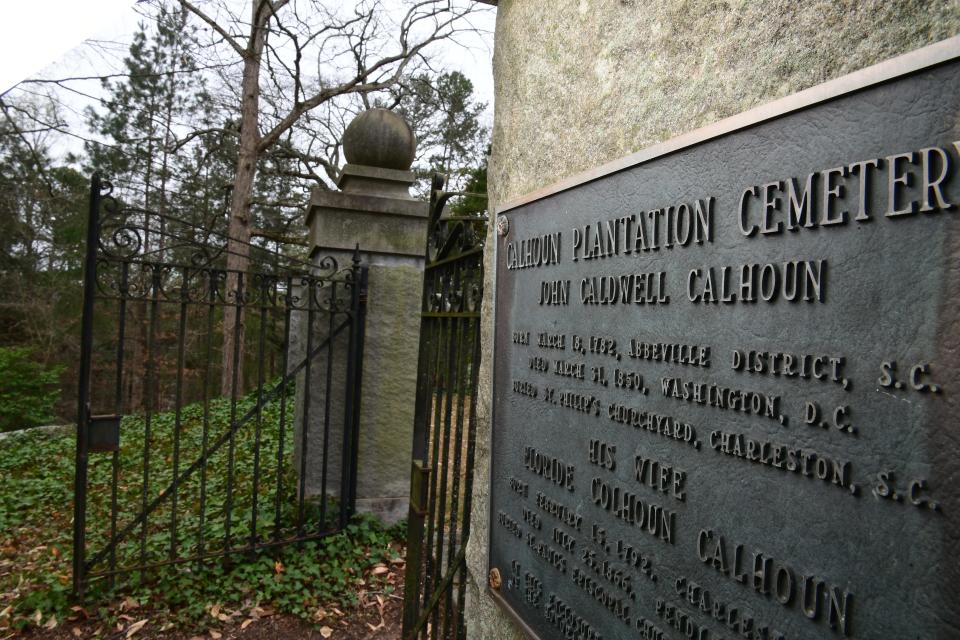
<point x="28" y="390"/>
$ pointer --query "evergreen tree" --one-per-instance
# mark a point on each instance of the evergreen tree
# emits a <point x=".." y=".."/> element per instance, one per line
<point x="42" y="219"/>
<point x="145" y="110"/>
<point x="158" y="98"/>
<point x="474" y="201"/>
<point x="445" y="117"/>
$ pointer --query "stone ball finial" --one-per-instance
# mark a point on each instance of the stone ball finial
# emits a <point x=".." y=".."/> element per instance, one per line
<point x="380" y="138"/>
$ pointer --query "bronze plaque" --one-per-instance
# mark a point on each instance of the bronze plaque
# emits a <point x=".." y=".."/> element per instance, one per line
<point x="726" y="377"/>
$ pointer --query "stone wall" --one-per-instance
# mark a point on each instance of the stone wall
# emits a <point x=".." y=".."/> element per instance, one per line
<point x="582" y="82"/>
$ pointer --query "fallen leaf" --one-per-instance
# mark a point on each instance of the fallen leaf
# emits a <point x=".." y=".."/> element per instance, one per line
<point x="278" y="567"/>
<point x="129" y="603"/>
<point x="379" y="570"/>
<point x="6" y="612"/>
<point x="78" y="609"/>
<point x="136" y="626"/>
<point x="51" y="623"/>
<point x="246" y="623"/>
<point x="215" y="610"/>
<point x="223" y="617"/>
<point x="38" y="617"/>
<point x="76" y="632"/>
<point x="326" y="632"/>
<point x="216" y="635"/>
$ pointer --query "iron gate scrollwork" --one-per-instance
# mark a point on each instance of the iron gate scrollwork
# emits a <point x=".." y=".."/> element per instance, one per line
<point x="176" y="462"/>
<point x="445" y="423"/>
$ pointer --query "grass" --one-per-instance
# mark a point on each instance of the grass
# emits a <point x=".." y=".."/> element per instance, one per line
<point x="36" y="515"/>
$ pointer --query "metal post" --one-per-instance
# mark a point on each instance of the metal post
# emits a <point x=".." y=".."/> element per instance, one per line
<point x="83" y="389"/>
<point x="357" y="388"/>
<point x="419" y="481"/>
<point x="351" y="418"/>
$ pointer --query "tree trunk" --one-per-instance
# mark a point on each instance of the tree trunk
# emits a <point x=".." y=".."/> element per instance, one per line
<point x="238" y="230"/>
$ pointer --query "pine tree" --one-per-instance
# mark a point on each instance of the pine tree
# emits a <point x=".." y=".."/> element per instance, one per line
<point x="42" y="218"/>
<point x="445" y="117"/>
<point x="144" y="111"/>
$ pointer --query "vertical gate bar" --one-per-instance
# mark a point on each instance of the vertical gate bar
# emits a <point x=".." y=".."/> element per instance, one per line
<point x="234" y="384"/>
<point x="471" y="451"/>
<point x="278" y="498"/>
<point x="83" y="390"/>
<point x="204" y="438"/>
<point x="437" y="404"/>
<point x="305" y="424"/>
<point x="432" y="420"/>
<point x="434" y="569"/>
<point x="415" y="518"/>
<point x="151" y="396"/>
<point x="460" y="520"/>
<point x="178" y="415"/>
<point x="118" y="409"/>
<point x="349" y="396"/>
<point x="462" y="371"/>
<point x="326" y="405"/>
<point x="421" y="428"/>
<point x="347" y="440"/>
<point x="261" y="347"/>
<point x="423" y="408"/>
<point x="452" y="380"/>
<point x="361" y="323"/>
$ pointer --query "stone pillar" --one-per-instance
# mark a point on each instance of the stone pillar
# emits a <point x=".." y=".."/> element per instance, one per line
<point x="373" y="209"/>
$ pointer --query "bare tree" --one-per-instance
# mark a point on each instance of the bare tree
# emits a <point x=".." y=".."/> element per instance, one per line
<point x="297" y="56"/>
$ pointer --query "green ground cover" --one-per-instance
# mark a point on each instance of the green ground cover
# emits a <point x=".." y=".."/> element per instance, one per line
<point x="36" y="516"/>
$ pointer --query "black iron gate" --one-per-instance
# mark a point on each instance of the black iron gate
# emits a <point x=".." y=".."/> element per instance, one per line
<point x="445" y="424"/>
<point x="190" y="445"/>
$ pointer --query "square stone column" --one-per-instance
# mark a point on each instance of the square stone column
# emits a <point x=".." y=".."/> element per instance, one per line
<point x="373" y="209"/>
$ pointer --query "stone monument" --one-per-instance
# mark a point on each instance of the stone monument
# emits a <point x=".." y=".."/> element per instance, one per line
<point x="733" y="540"/>
<point x="373" y="210"/>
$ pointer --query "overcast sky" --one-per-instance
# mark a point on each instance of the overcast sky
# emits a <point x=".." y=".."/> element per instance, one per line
<point x="45" y="38"/>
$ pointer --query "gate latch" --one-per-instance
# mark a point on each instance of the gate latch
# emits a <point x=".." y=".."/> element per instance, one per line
<point x="103" y="433"/>
<point x="419" y="480"/>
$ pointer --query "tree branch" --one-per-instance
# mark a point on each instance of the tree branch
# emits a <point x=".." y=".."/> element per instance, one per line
<point x="186" y="4"/>
<point x="278" y="237"/>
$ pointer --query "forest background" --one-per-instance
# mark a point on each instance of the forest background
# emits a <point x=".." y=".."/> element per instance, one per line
<point x="223" y="114"/>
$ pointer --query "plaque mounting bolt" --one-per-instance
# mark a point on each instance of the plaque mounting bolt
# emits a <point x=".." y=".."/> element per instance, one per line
<point x="503" y="226"/>
<point x="495" y="580"/>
